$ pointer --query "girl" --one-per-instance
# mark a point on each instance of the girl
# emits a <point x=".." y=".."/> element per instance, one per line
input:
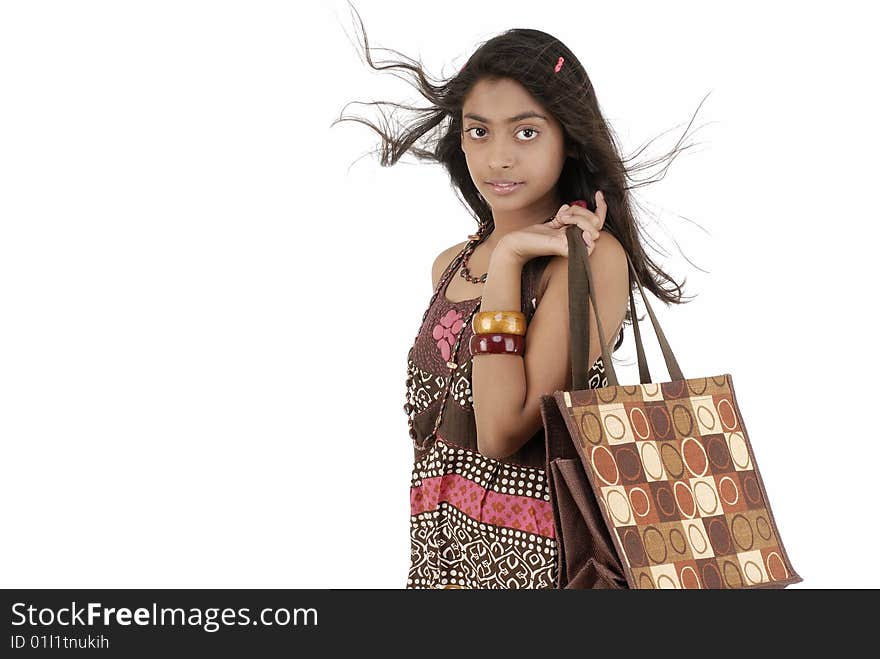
<point x="522" y="138"/>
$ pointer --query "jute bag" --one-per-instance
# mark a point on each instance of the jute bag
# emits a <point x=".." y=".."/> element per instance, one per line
<point x="653" y="485"/>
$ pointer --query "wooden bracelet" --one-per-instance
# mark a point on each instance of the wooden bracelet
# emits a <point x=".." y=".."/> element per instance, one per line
<point x="499" y="322"/>
<point x="497" y="343"/>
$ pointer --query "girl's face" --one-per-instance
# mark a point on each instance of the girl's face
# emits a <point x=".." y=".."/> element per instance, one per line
<point x="529" y="149"/>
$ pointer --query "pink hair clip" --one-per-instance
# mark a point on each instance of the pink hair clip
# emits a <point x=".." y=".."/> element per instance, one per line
<point x="559" y="65"/>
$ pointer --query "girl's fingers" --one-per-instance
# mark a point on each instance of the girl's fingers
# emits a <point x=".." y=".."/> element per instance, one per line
<point x="585" y="223"/>
<point x="578" y="214"/>
<point x="591" y="237"/>
<point x="588" y="230"/>
<point x="590" y="222"/>
<point x="601" y="208"/>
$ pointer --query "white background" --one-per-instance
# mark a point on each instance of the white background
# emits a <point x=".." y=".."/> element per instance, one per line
<point x="208" y="294"/>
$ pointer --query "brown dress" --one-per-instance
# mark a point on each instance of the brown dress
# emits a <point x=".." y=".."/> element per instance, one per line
<point x="475" y="522"/>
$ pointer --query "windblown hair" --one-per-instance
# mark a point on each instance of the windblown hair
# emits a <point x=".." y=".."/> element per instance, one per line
<point x="529" y="56"/>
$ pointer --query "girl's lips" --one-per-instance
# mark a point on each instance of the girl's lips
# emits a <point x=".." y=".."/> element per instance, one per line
<point x="505" y="189"/>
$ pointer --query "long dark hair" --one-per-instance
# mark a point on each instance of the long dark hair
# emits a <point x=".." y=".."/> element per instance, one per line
<point x="529" y="57"/>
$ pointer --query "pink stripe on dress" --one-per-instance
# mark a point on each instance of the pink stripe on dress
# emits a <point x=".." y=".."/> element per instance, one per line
<point x="508" y="510"/>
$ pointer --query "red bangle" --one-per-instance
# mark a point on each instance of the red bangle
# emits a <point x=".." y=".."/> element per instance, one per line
<point x="496" y="343"/>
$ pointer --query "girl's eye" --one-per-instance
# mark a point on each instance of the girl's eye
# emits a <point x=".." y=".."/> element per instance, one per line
<point x="531" y="130"/>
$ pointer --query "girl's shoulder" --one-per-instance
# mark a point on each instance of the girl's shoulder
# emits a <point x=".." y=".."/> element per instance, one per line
<point x="443" y="260"/>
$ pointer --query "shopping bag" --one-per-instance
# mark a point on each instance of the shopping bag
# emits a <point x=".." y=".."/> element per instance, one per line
<point x="653" y="485"/>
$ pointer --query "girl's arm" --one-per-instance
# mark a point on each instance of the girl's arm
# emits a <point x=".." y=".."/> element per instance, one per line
<point x="507" y="388"/>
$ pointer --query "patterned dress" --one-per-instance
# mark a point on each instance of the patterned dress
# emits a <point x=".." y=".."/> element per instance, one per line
<point x="475" y="522"/>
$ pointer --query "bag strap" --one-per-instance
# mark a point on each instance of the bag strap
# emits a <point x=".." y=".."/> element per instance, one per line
<point x="580" y="286"/>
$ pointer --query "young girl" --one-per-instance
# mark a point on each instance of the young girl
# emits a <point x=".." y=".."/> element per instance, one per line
<point x="522" y="139"/>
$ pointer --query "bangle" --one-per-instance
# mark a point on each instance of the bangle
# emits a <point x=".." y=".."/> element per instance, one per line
<point x="496" y="343"/>
<point x="499" y="322"/>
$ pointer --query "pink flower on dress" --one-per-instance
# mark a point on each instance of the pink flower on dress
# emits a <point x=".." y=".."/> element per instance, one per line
<point x="444" y="332"/>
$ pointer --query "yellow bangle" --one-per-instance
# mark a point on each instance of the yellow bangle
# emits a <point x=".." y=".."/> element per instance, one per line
<point x="504" y="322"/>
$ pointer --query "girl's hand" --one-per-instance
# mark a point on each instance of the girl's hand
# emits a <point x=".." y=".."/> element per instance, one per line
<point x="549" y="237"/>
